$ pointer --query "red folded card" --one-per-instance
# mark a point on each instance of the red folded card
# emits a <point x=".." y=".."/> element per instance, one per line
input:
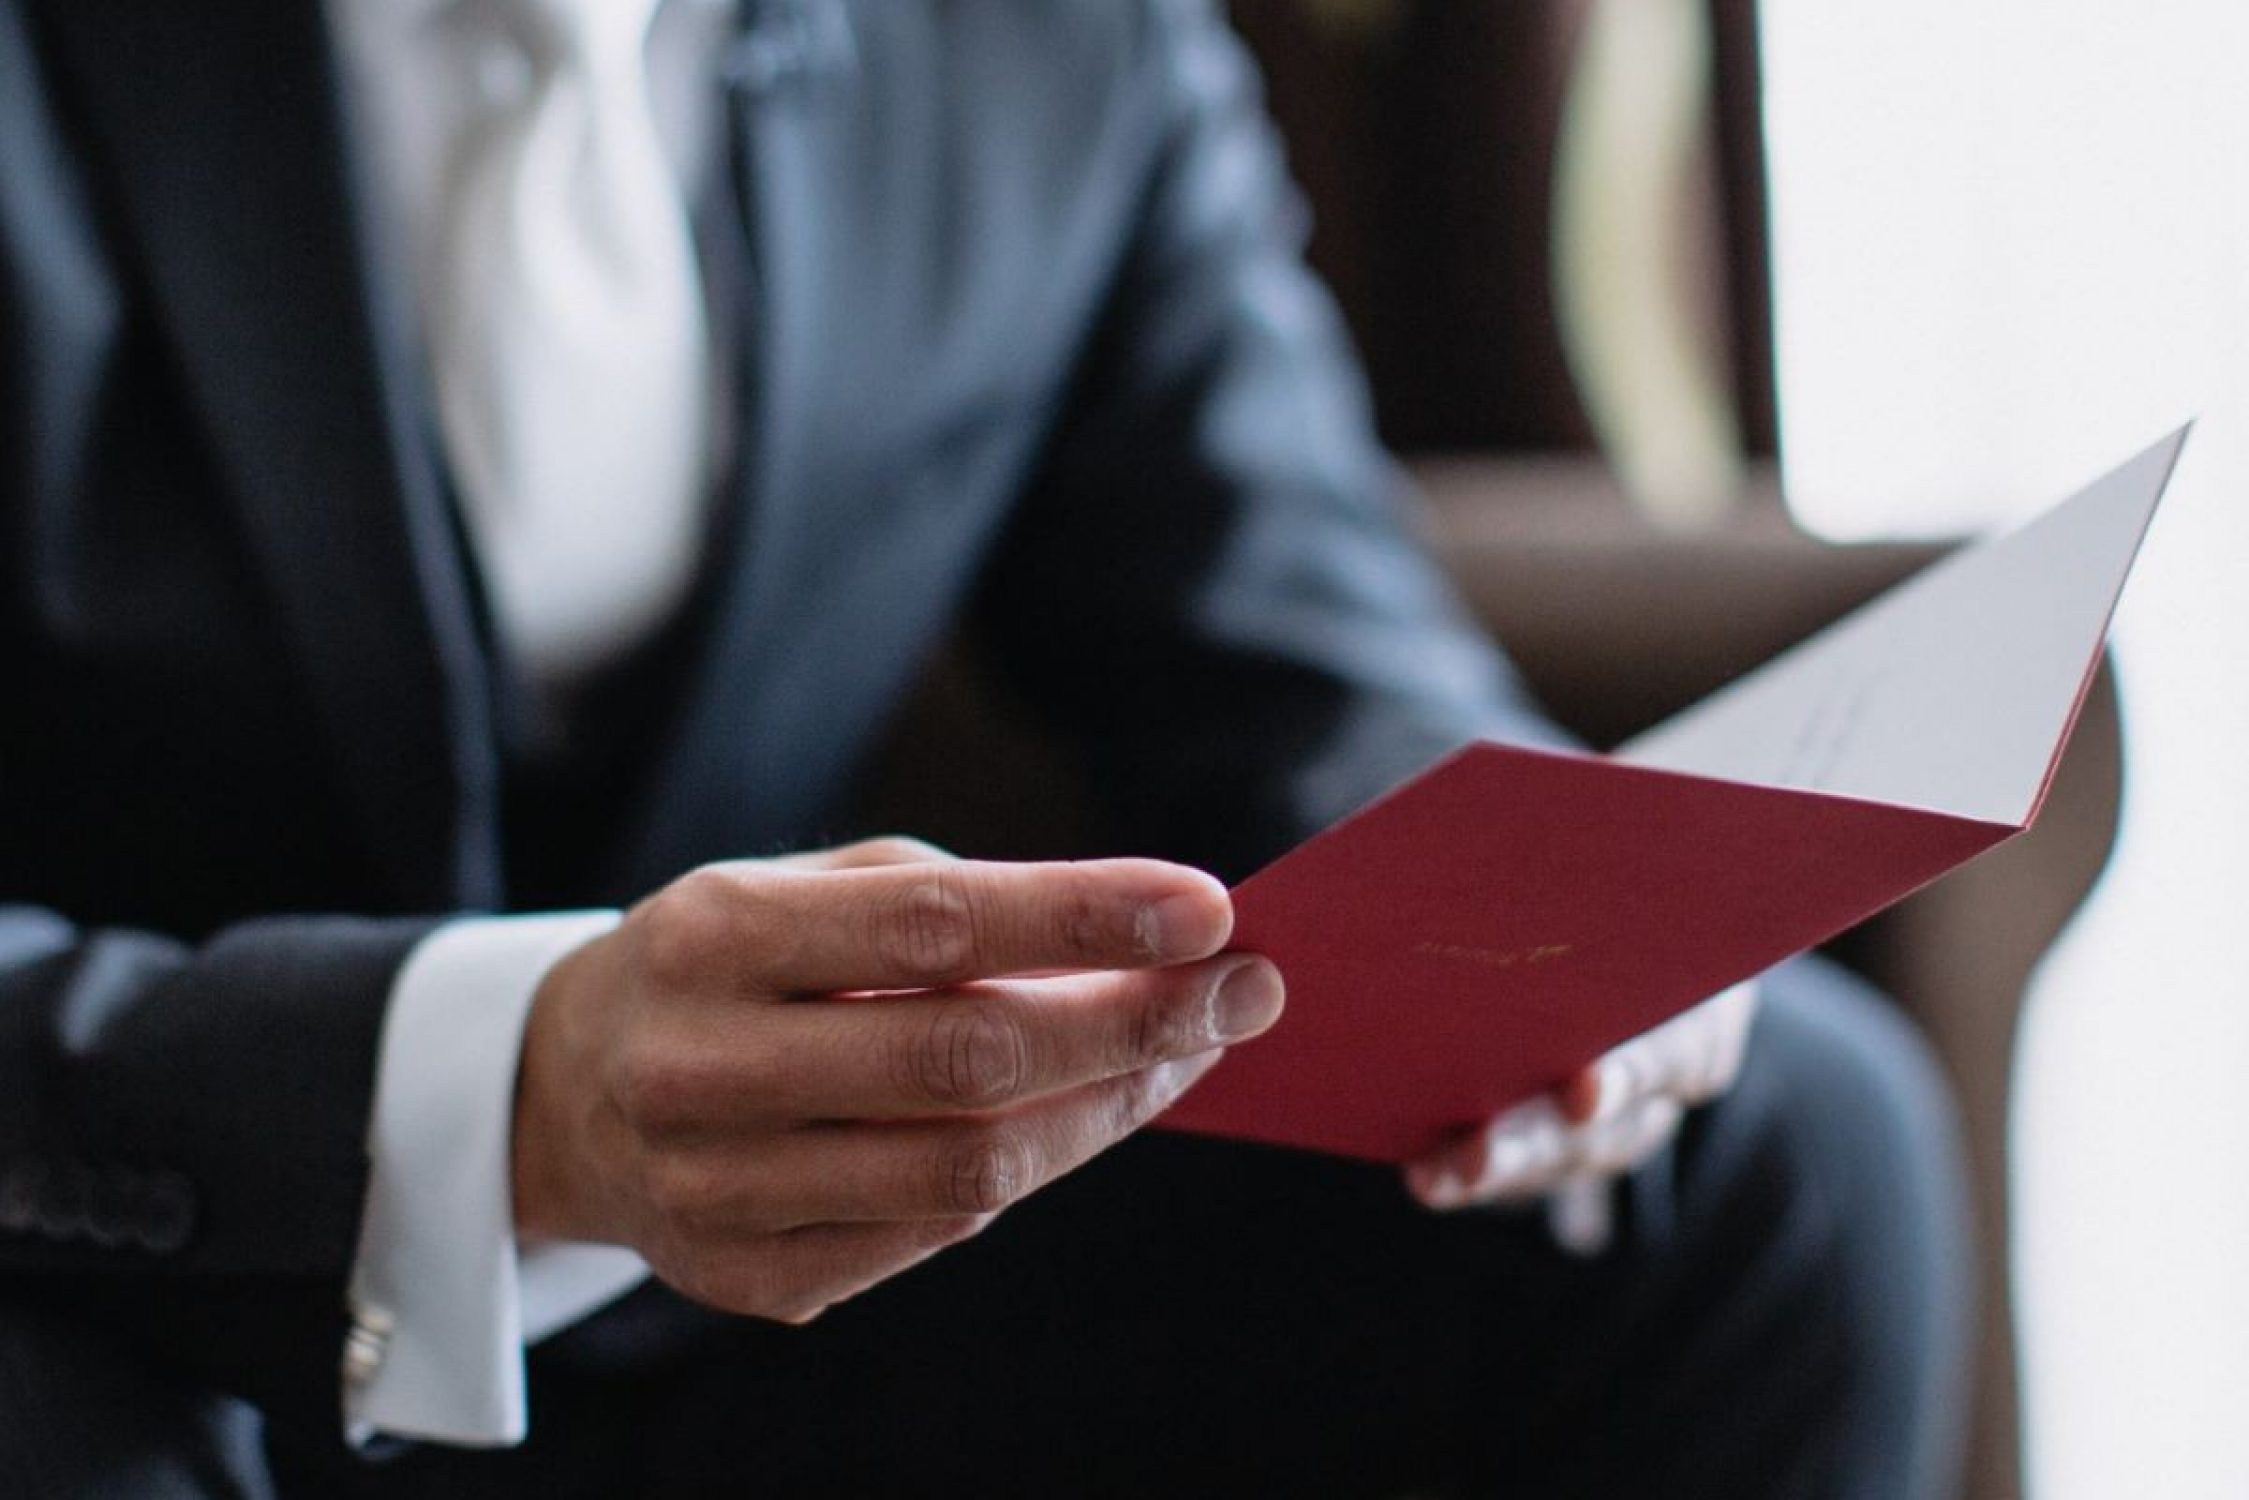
<point x="1479" y="934"/>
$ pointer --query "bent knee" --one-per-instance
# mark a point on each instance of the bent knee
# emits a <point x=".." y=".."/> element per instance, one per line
<point x="1839" y="1152"/>
<point x="1843" y="1141"/>
<point x="1856" y="1101"/>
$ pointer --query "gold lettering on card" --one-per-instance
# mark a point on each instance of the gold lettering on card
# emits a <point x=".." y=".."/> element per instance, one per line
<point x="1495" y="958"/>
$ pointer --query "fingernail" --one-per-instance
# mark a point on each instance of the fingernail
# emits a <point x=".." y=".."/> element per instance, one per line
<point x="1440" y="1189"/>
<point x="1182" y="926"/>
<point x="1514" y="1158"/>
<point x="1581" y="1217"/>
<point x="1247" y="1001"/>
<point x="1614" y="1089"/>
<point x="1522" y="1144"/>
<point x="1506" y="1157"/>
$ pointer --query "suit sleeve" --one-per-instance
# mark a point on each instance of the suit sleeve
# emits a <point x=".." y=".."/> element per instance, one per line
<point x="183" y="1138"/>
<point x="1212" y="585"/>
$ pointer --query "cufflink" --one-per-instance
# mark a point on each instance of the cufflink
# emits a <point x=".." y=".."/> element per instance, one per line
<point x="367" y="1343"/>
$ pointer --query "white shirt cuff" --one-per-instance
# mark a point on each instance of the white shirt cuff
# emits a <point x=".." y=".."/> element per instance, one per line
<point x="443" y="1300"/>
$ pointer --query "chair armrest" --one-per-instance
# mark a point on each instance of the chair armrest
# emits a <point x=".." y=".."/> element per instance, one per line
<point x="1616" y="624"/>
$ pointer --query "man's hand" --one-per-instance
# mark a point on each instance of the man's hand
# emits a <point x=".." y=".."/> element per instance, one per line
<point x="1607" y="1120"/>
<point x="784" y="1081"/>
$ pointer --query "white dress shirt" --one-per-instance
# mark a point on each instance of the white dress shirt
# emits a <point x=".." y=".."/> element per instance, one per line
<point x="444" y="1299"/>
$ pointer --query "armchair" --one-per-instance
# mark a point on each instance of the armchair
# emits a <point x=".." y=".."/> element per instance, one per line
<point x="1426" y="134"/>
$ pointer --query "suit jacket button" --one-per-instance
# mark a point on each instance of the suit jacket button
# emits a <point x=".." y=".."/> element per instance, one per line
<point x="20" y="1182"/>
<point x="66" y="1200"/>
<point x="115" y="1206"/>
<point x="167" y="1220"/>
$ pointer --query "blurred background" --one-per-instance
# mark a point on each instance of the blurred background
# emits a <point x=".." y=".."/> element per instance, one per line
<point x="1627" y="273"/>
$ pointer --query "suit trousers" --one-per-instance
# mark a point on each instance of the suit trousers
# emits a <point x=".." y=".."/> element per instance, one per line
<point x="1784" y="1312"/>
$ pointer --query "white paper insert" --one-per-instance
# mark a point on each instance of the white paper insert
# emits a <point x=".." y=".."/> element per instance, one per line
<point x="1953" y="691"/>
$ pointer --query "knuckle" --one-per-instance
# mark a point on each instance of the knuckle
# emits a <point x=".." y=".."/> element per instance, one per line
<point x="681" y="1189"/>
<point x="685" y="927"/>
<point x="679" y="1074"/>
<point x="650" y="1090"/>
<point x="1083" y="921"/>
<point x="1175" y="1020"/>
<point x="930" y="925"/>
<point x="971" y="1056"/>
<point x="983" y="1176"/>
<point x="898" y="849"/>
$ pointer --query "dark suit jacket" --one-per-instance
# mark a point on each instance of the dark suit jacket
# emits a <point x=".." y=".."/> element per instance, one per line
<point x="1025" y="346"/>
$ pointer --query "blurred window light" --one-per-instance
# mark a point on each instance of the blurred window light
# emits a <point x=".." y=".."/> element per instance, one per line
<point x="2013" y="243"/>
<point x="2011" y="246"/>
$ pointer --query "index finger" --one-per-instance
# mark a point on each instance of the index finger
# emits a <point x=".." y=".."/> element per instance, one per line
<point x="917" y="926"/>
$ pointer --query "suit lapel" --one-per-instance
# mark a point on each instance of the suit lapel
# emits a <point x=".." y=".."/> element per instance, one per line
<point x="221" y="124"/>
<point x="791" y="69"/>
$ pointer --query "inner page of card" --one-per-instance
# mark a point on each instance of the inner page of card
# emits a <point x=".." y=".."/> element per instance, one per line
<point x="1954" y="691"/>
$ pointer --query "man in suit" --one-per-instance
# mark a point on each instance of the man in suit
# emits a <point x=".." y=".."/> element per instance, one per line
<point x="469" y="459"/>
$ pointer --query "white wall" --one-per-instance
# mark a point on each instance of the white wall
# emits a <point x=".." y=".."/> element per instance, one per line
<point x="2013" y="245"/>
